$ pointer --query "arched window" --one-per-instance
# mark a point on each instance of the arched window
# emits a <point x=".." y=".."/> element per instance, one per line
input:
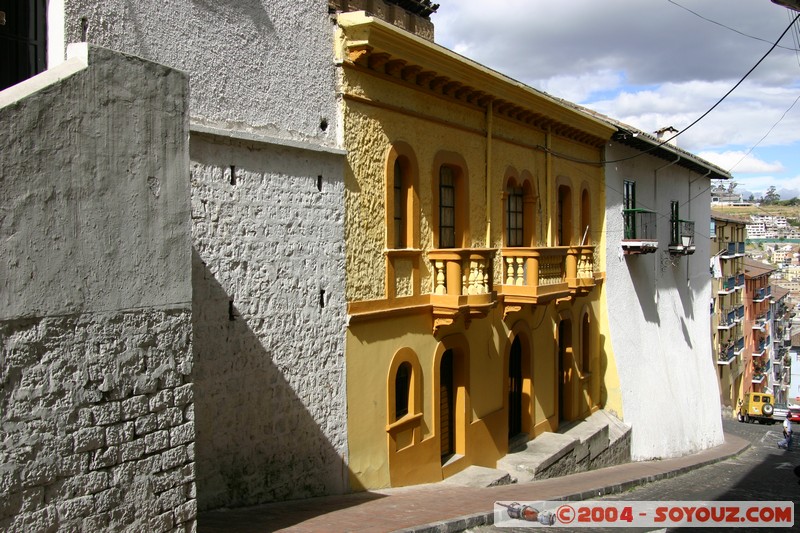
<point x="564" y="221"/>
<point x="447" y="207"/>
<point x="515" y="216"/>
<point x="401" y="198"/>
<point x="402" y="390"/>
<point x="586" y="218"/>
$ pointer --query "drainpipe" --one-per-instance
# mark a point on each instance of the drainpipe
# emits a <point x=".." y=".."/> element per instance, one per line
<point x="548" y="170"/>
<point x="655" y="208"/>
<point x="489" y="125"/>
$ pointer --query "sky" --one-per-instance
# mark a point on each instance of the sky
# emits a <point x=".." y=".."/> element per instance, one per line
<point x="653" y="64"/>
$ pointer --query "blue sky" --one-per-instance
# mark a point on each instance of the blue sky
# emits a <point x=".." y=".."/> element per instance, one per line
<point x="652" y="64"/>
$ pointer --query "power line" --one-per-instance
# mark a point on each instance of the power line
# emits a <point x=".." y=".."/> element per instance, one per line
<point x="701" y="117"/>
<point x="728" y="27"/>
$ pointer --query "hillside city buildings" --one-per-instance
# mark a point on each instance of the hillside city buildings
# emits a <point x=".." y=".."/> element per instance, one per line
<point x="265" y="251"/>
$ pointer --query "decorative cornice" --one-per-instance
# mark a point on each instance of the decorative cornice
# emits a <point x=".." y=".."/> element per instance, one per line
<point x="370" y="44"/>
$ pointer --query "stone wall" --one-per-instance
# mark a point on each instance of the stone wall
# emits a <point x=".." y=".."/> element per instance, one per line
<point x="96" y="397"/>
<point x="97" y="428"/>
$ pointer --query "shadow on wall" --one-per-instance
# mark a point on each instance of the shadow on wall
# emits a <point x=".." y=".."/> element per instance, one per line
<point x="644" y="283"/>
<point x="256" y="441"/>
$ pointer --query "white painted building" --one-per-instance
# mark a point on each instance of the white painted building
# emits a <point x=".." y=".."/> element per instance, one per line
<point x="658" y="294"/>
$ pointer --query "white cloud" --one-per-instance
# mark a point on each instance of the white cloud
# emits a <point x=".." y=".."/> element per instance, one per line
<point x="742" y="162"/>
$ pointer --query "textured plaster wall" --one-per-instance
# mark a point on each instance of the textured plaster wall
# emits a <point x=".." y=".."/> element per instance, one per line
<point x="659" y="317"/>
<point x="96" y="399"/>
<point x="254" y="65"/>
<point x="269" y="384"/>
<point x="269" y="321"/>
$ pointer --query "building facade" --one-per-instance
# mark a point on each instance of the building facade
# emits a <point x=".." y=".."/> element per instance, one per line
<point x="758" y="326"/>
<point x="729" y="348"/>
<point x="658" y="292"/>
<point x="473" y="256"/>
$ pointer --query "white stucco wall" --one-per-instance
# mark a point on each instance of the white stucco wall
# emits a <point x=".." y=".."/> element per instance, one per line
<point x="254" y="65"/>
<point x="659" y="315"/>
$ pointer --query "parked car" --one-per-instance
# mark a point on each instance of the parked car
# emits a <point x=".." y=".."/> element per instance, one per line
<point x="780" y="411"/>
<point x="756" y="406"/>
<point x="794" y="414"/>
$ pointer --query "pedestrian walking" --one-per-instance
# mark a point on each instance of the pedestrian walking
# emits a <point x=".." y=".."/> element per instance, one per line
<point x="786" y="443"/>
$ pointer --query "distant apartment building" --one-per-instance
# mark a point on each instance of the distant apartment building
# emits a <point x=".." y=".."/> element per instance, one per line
<point x="758" y="326"/>
<point x="722" y="196"/>
<point x="727" y="306"/>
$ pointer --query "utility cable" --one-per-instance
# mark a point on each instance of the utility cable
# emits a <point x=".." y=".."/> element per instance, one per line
<point x="701" y="117"/>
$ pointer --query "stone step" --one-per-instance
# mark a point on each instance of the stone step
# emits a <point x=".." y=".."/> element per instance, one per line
<point x="600" y="439"/>
<point x="480" y="476"/>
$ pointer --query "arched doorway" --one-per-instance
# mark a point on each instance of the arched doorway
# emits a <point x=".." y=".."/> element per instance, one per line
<point x="565" y="371"/>
<point x="515" y="388"/>
<point x="447" y="406"/>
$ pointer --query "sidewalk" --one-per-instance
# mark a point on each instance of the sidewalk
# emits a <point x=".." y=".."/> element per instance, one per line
<point x="442" y="507"/>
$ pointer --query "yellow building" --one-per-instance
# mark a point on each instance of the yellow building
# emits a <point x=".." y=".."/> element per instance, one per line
<point x="728" y="345"/>
<point x="473" y="255"/>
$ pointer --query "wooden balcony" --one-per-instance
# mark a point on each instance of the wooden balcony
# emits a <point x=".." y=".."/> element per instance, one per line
<point x="462" y="284"/>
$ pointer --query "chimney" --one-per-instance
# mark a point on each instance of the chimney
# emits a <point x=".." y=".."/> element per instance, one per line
<point x="666" y="133"/>
<point x="414" y="16"/>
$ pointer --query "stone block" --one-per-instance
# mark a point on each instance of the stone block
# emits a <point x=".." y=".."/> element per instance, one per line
<point x="75" y="508"/>
<point x="146" y="424"/>
<point x="182" y="434"/>
<point x="107" y="500"/>
<point x="72" y="465"/>
<point x="186" y="512"/>
<point x="135" y="407"/>
<point x="120" y="433"/>
<point x="157" y="441"/>
<point x="40" y="473"/>
<point x="161" y="400"/>
<point x="170" y="417"/>
<point x="183" y="395"/>
<point x="162" y="522"/>
<point x="131" y="451"/>
<point x="173" y="458"/>
<point x="89" y="439"/>
<point x="104" y="458"/>
<point x="107" y="413"/>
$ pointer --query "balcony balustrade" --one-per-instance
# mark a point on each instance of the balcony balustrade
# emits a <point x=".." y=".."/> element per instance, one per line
<point x="739" y="346"/>
<point x="462" y="283"/>
<point x="727" y="285"/>
<point x="682" y="237"/>
<point x="739" y="281"/>
<point x="727" y="319"/>
<point x="535" y="275"/>
<point x="762" y="294"/>
<point x="726" y="354"/>
<point x="640" y="231"/>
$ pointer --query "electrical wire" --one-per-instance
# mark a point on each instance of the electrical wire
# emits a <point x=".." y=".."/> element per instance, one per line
<point x="701" y="117"/>
<point x="728" y="27"/>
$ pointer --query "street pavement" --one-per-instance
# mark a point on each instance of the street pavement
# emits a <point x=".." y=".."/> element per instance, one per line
<point x="762" y="472"/>
<point x="749" y="456"/>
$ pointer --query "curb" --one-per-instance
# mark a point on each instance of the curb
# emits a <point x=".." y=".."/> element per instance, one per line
<point x="462" y="523"/>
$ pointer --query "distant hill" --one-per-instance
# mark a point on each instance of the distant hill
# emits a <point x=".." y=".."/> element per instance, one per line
<point x="788" y="211"/>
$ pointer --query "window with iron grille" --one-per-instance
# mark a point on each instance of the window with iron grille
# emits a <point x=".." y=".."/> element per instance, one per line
<point x="514" y="217"/>
<point x="447" y="208"/>
<point x="399" y="206"/>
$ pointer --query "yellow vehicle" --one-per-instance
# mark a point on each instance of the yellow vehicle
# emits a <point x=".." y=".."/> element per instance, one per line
<point x="757" y="406"/>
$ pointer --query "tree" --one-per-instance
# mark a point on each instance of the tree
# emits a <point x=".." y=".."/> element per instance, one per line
<point x="770" y="197"/>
